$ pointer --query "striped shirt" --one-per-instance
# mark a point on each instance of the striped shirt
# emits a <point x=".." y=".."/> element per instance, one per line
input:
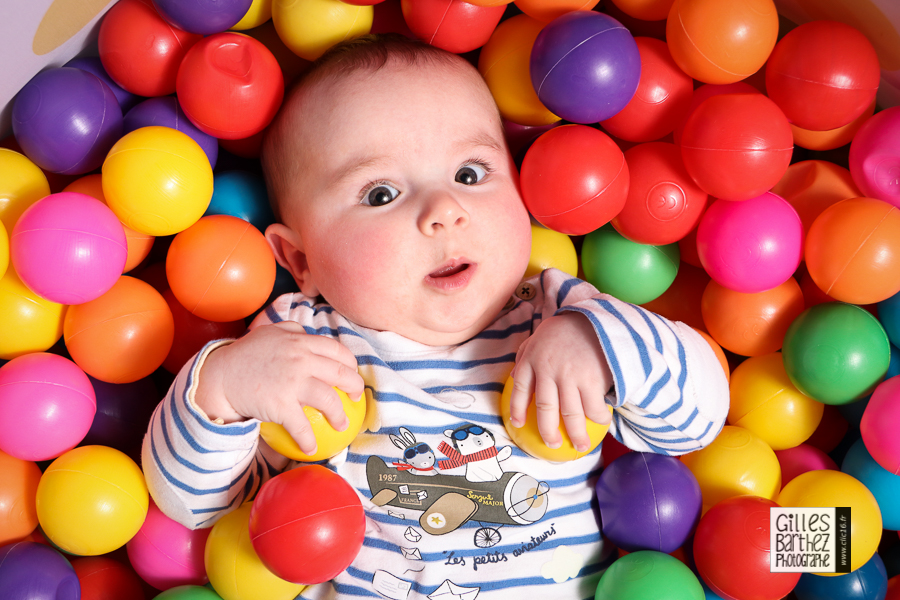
<point x="492" y="525"/>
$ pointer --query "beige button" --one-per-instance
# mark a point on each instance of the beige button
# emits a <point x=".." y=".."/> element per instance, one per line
<point x="526" y="291"/>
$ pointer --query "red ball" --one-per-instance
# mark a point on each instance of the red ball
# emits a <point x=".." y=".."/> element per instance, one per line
<point x="574" y="179"/>
<point x="823" y="75"/>
<point x="307" y="524"/>
<point x="731" y="551"/>
<point x="663" y="202"/>
<point x="103" y="578"/>
<point x="708" y="90"/>
<point x="453" y="25"/>
<point x="139" y="50"/>
<point x="192" y="333"/>
<point x="230" y="85"/>
<point x="737" y="146"/>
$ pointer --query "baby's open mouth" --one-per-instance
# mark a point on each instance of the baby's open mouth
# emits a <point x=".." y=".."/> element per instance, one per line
<point x="449" y="270"/>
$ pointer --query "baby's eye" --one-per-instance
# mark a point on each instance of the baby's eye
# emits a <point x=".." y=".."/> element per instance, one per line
<point x="380" y="195"/>
<point x="470" y="174"/>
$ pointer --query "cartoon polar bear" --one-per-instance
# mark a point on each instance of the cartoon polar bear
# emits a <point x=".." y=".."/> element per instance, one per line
<point x="474" y="447"/>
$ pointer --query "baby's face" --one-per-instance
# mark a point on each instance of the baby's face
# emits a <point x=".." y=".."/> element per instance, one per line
<point x="408" y="205"/>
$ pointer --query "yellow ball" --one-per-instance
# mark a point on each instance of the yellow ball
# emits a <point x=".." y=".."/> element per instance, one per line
<point x="551" y="249"/>
<point x="28" y="322"/>
<point x="834" y="488"/>
<point x="528" y="438"/>
<point x="329" y="441"/>
<point x="22" y="183"/>
<point x="737" y="462"/>
<point x="233" y="566"/>
<point x="92" y="500"/>
<point x="157" y="180"/>
<point x="4" y="250"/>
<point x="258" y="13"/>
<point x="310" y="27"/>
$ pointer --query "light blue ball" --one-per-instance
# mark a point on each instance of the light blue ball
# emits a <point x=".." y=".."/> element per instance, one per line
<point x="883" y="484"/>
<point x="869" y="582"/>
<point x="243" y="195"/>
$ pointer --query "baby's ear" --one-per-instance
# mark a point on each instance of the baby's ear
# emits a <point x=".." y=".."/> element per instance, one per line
<point x="288" y="250"/>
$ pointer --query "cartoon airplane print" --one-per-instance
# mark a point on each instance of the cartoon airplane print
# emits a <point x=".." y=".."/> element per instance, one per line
<point x="485" y="492"/>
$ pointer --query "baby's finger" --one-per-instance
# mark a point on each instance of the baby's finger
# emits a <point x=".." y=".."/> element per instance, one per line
<point x="523" y="389"/>
<point x="323" y="398"/>
<point x="298" y="427"/>
<point x="546" y="403"/>
<point x="572" y="412"/>
<point x="594" y="403"/>
<point x="333" y="349"/>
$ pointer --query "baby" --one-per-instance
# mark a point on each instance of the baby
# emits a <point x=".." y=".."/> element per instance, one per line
<point x="402" y="224"/>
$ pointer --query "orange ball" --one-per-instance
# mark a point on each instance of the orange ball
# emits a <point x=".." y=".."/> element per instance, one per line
<point x="221" y="268"/>
<point x="720" y="354"/>
<point x="192" y="333"/>
<point x="721" y="42"/>
<point x="751" y="324"/>
<point x="547" y="10"/>
<point x="122" y="336"/>
<point x="18" y="490"/>
<point x="811" y="186"/>
<point x="832" y="138"/>
<point x="646" y="10"/>
<point x="681" y="301"/>
<point x="853" y="250"/>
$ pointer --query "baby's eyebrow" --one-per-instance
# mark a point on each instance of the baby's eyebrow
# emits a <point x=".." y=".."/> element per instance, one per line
<point x="480" y="139"/>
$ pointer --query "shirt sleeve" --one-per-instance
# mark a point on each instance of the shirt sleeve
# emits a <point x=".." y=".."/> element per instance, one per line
<point x="670" y="394"/>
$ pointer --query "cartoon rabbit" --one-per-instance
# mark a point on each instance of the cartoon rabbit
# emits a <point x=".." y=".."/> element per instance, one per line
<point x="419" y="459"/>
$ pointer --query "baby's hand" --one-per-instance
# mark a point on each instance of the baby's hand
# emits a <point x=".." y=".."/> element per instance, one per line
<point x="563" y="365"/>
<point x="274" y="371"/>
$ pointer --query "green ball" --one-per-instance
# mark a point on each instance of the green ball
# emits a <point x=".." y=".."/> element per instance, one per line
<point x="836" y="353"/>
<point x="636" y="273"/>
<point x="189" y="592"/>
<point x="649" y="574"/>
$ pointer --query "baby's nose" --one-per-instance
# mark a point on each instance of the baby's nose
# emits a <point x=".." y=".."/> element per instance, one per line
<point x="442" y="211"/>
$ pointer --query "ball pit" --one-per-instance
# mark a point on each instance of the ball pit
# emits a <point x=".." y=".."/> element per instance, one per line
<point x="18" y="488"/>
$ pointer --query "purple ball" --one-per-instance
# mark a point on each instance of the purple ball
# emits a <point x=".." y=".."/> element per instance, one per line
<point x="165" y="111"/>
<point x="648" y="502"/>
<point x="33" y="571"/>
<point x="92" y="64"/>
<point x="585" y="66"/>
<point x="66" y="120"/>
<point x="203" y="16"/>
<point x="123" y="413"/>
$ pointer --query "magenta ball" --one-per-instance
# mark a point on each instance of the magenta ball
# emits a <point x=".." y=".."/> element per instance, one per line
<point x="800" y="459"/>
<point x="875" y="156"/>
<point x="47" y="405"/>
<point x="880" y="424"/>
<point x="69" y="248"/>
<point x="167" y="554"/>
<point x="750" y="245"/>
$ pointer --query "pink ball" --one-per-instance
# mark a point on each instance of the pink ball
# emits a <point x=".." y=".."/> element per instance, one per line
<point x="167" y="554"/>
<point x="879" y="425"/>
<point x="800" y="459"/>
<point x="69" y="248"/>
<point x="750" y="245"/>
<point x="47" y="405"/>
<point x="875" y="156"/>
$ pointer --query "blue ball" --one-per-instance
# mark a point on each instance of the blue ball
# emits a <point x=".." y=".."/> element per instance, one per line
<point x="883" y="484"/>
<point x="894" y="365"/>
<point x="243" y="195"/>
<point x="869" y="582"/>
<point x="165" y="111"/>
<point x="203" y="16"/>
<point x="889" y="315"/>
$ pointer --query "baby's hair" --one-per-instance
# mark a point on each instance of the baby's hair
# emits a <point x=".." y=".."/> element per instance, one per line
<point x="365" y="53"/>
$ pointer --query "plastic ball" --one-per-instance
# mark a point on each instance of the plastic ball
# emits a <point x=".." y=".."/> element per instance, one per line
<point x="823" y="74"/>
<point x="29" y="323"/>
<point x="737" y="146"/>
<point x="259" y="13"/>
<point x="833" y="138"/>
<point x="869" y="582"/>
<point x="46" y="407"/>
<point x="188" y="592"/>
<point x="831" y="430"/>
<point x="92" y="500"/>
<point x="574" y="179"/>
<point x="203" y="16"/>
<point x="720" y="354"/>
<point x="663" y="202"/>
<point x="230" y="85"/>
<point x="528" y="438"/>
<point x="221" y="268"/>
<point x="645" y="10"/>
<point x="883" y="484"/>
<point x="548" y="10"/>
<point x="648" y="502"/>
<point x="139" y="50"/>
<point x="94" y="66"/>
<point x="889" y="316"/>
<point x="167" y="554"/>
<point x="66" y="120"/>
<point x="721" y="42"/>
<point x="310" y="27"/>
<point x="878" y="425"/>
<point x="157" y="180"/>
<point x="307" y="507"/>
<point x="504" y="64"/>
<point x="165" y="111"/>
<point x="764" y="401"/>
<point x="235" y="570"/>
<point x="122" y="336"/>
<point x="751" y="324"/>
<point x="123" y="414"/>
<point x="800" y="459"/>
<point x="648" y="574"/>
<point x="18" y="488"/>
<point x="811" y="186"/>
<point x="681" y="301"/>
<point x="732" y="552"/>
<point x="736" y="463"/>
<point x="33" y="571"/>
<point x="836" y="352"/>
<point x="243" y="195"/>
<point x="875" y="156"/>
<point x="453" y="25"/>
<point x="104" y="578"/>
<point x="827" y="488"/>
<point x="750" y="246"/>
<point x="68" y="248"/>
<point x="551" y="250"/>
<point x="4" y="249"/>
<point x="585" y="66"/>
<point x="632" y="272"/>
<point x="662" y="98"/>
<point x="22" y="183"/>
<point x="708" y="90"/>
<point x="330" y="442"/>
<point x="853" y="250"/>
<point x="192" y="333"/>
